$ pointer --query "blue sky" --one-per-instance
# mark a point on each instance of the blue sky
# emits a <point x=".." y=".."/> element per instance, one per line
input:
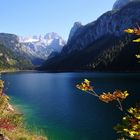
<point x="35" y="17"/>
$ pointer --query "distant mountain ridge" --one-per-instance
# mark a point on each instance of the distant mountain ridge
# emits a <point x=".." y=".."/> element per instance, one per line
<point x="34" y="48"/>
<point x="42" y="46"/>
<point x="100" y="45"/>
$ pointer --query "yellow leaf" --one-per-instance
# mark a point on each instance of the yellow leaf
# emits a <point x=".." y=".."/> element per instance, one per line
<point x="138" y="56"/>
<point x="125" y="129"/>
<point x="136" y="40"/>
<point x="126" y="94"/>
<point x="87" y="81"/>
<point x="130" y="31"/>
<point x="133" y="133"/>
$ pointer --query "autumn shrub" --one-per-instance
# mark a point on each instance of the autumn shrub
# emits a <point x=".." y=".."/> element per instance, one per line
<point x="11" y="121"/>
<point x="130" y="126"/>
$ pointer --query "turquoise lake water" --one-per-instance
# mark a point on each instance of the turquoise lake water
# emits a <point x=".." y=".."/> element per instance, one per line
<point x="51" y="102"/>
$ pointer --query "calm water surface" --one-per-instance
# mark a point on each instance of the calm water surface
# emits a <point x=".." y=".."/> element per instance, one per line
<point x="51" y="102"/>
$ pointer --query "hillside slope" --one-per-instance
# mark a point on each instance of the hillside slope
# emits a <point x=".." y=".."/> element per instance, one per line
<point x="102" y="44"/>
<point x="8" y="60"/>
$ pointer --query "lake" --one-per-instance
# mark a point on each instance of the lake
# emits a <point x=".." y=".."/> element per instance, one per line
<point x="51" y="103"/>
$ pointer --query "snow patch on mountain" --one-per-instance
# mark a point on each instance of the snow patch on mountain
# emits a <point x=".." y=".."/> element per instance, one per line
<point x="43" y="45"/>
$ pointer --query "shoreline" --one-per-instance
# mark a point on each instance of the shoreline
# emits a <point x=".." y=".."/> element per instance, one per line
<point x="16" y="123"/>
<point x="12" y="120"/>
<point x="13" y="71"/>
<point x="65" y="71"/>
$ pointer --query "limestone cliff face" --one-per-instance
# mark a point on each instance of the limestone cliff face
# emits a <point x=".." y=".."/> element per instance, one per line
<point x="11" y="54"/>
<point x="102" y="44"/>
<point x="112" y="22"/>
<point x="120" y="3"/>
<point x="10" y="41"/>
<point x="74" y="29"/>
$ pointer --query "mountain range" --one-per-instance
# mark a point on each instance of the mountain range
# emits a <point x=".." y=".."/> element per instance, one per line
<point x="41" y="47"/>
<point x="101" y="44"/>
<point x="32" y="49"/>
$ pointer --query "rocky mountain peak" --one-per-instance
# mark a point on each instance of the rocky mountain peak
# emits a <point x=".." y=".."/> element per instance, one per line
<point x="111" y="22"/>
<point x="42" y="46"/>
<point x="101" y="44"/>
<point x="52" y="35"/>
<point x="37" y="47"/>
<point x="73" y="30"/>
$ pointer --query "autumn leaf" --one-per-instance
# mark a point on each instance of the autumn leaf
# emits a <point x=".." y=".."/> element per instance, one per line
<point x="87" y="81"/>
<point x="136" y="40"/>
<point x="138" y="56"/>
<point x="130" y="31"/>
<point x="130" y="125"/>
<point x="85" y="86"/>
<point x="133" y="31"/>
<point x="137" y="31"/>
